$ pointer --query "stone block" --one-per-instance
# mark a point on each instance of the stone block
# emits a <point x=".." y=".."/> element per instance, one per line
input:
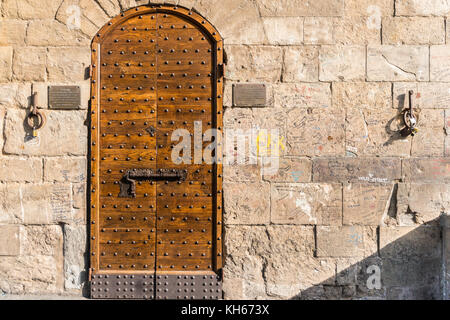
<point x="306" y="203"/>
<point x="14" y="169"/>
<point x="357" y="30"/>
<point x="369" y="7"/>
<point x="300" y="8"/>
<point x="6" y="54"/>
<point x="68" y="64"/>
<point x="249" y="207"/>
<point x="42" y="240"/>
<point x="75" y="256"/>
<point x="422" y="8"/>
<point x="318" y="30"/>
<point x="54" y="33"/>
<point x="376" y="132"/>
<point x="426" y="170"/>
<point x="362" y="95"/>
<point x="52" y="140"/>
<point x="30" y="64"/>
<point x="15" y="94"/>
<point x="373" y="170"/>
<point x="427" y="95"/>
<point x="413" y="30"/>
<point x="315" y="132"/>
<point x="12" y="32"/>
<point x="29" y="9"/>
<point x="431" y="136"/>
<point x="301" y="64"/>
<point x="254" y="63"/>
<point x="346" y="241"/>
<point x="291" y="169"/>
<point x="342" y="63"/>
<point x="397" y="63"/>
<point x="283" y="30"/>
<point x="366" y="204"/>
<point x="9" y="240"/>
<point x="65" y="169"/>
<point x="304" y="95"/>
<point x="440" y="63"/>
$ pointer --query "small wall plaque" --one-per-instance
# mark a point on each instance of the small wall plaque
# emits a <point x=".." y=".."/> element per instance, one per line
<point x="64" y="97"/>
<point x="249" y="95"/>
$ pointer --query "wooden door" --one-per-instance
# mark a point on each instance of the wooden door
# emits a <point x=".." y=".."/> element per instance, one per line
<point x="155" y="222"/>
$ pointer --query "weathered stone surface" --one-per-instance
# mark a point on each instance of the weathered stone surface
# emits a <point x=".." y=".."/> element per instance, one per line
<point x="362" y="95"/>
<point x="422" y="202"/>
<point x="9" y="240"/>
<point x="342" y="63"/>
<point x="29" y="64"/>
<point x="68" y="64"/>
<point x="36" y="203"/>
<point x="14" y="169"/>
<point x="6" y="54"/>
<point x="39" y="35"/>
<point x="369" y="7"/>
<point x="427" y="95"/>
<point x="112" y="8"/>
<point x="318" y="31"/>
<point x="231" y="17"/>
<point x="41" y="240"/>
<point x="65" y="169"/>
<point x="291" y="169"/>
<point x="430" y="140"/>
<point x="301" y="8"/>
<point x="301" y="64"/>
<point x="256" y="63"/>
<point x="306" y="203"/>
<point x="357" y="30"/>
<point x="366" y="204"/>
<point x="375" y="132"/>
<point x="79" y="203"/>
<point x="20" y="275"/>
<point x="29" y="9"/>
<point x="397" y="63"/>
<point x="248" y="207"/>
<point x="416" y="30"/>
<point x="440" y="63"/>
<point x="426" y="170"/>
<point x="307" y="95"/>
<point x="12" y="32"/>
<point x="415" y="253"/>
<point x="246" y="247"/>
<point x="242" y="172"/>
<point x="346" y="241"/>
<point x="15" y="94"/>
<point x="315" y="132"/>
<point x="422" y="8"/>
<point x="283" y="30"/>
<point x="63" y="134"/>
<point x="75" y="256"/>
<point x="351" y="169"/>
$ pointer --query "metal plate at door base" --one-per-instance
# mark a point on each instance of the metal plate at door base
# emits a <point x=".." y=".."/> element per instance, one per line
<point x="122" y="286"/>
<point x="188" y="287"/>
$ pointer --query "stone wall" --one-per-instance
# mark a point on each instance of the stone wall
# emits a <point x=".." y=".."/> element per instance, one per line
<point x="353" y="212"/>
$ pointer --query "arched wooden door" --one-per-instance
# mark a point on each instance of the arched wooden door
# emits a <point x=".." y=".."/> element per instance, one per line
<point x="155" y="225"/>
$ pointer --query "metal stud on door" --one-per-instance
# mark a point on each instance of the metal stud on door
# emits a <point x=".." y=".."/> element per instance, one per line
<point x="154" y="71"/>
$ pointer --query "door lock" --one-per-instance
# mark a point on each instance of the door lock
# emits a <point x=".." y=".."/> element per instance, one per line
<point x="409" y="119"/>
<point x="128" y="182"/>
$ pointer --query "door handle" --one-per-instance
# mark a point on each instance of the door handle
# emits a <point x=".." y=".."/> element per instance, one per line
<point x="128" y="181"/>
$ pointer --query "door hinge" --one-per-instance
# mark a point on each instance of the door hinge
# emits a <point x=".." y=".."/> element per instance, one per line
<point x="220" y="70"/>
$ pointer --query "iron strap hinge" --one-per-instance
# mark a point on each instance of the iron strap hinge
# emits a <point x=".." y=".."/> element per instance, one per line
<point x="220" y="70"/>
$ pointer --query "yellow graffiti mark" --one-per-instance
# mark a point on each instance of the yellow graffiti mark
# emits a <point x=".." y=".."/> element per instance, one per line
<point x="265" y="144"/>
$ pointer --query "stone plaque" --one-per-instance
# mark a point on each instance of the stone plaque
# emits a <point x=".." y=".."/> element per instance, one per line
<point x="64" y="97"/>
<point x="249" y="95"/>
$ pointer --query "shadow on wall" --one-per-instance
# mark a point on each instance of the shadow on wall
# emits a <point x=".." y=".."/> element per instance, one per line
<point x="408" y="265"/>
